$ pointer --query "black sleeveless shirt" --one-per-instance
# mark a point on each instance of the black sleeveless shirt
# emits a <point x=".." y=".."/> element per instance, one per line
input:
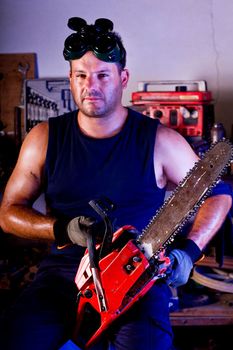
<point x="80" y="168"/>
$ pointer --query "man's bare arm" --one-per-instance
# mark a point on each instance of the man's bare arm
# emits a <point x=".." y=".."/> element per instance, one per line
<point x="25" y="184"/>
<point x="209" y="219"/>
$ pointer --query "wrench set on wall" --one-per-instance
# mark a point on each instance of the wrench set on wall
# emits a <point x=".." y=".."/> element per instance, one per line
<point x="46" y="98"/>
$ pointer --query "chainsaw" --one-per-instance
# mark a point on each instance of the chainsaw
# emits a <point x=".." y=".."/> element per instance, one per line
<point x="112" y="277"/>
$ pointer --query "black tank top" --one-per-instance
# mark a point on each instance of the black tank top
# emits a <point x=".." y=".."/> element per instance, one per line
<point x="80" y="168"/>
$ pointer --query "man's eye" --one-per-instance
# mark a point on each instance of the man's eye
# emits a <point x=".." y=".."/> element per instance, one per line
<point x="102" y="75"/>
<point x="81" y="76"/>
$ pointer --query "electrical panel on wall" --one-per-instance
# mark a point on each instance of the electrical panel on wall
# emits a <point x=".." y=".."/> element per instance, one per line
<point x="46" y="98"/>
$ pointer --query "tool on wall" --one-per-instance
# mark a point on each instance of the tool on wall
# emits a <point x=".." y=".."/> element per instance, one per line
<point x="23" y="70"/>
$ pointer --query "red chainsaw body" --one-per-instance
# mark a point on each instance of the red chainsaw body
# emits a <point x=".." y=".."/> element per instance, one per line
<point x="124" y="279"/>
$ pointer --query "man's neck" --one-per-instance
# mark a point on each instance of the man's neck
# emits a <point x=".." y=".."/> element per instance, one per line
<point x="102" y="127"/>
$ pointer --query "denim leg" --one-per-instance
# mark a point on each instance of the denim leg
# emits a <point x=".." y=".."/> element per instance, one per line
<point x="43" y="317"/>
<point x="146" y="325"/>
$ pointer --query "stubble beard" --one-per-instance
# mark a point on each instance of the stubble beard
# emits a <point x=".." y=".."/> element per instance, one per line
<point x="102" y="111"/>
<point x="93" y="112"/>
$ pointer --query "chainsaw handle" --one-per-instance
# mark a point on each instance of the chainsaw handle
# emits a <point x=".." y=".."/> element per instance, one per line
<point x="102" y="207"/>
<point x="92" y="251"/>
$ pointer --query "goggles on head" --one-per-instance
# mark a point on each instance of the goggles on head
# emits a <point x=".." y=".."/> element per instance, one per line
<point x="97" y="38"/>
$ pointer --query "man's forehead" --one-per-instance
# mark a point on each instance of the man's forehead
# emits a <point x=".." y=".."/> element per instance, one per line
<point x="90" y="62"/>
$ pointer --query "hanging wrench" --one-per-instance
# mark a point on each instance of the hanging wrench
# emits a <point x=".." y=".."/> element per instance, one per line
<point x="23" y="70"/>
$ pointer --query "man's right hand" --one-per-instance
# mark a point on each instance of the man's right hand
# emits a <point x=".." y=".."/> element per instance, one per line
<point x="77" y="230"/>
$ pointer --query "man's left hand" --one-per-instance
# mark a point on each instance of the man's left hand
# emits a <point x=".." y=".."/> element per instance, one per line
<point x="180" y="268"/>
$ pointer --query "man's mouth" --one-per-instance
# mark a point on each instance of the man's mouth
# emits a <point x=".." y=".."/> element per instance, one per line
<point x="92" y="99"/>
<point x="92" y="96"/>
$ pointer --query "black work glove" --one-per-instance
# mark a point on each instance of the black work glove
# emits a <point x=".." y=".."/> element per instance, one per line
<point x="181" y="263"/>
<point x="77" y="230"/>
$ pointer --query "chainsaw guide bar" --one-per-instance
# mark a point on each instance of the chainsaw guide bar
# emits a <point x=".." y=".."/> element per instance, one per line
<point x="184" y="202"/>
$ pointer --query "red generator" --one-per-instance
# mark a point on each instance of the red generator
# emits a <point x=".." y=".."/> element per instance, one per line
<point x="185" y="106"/>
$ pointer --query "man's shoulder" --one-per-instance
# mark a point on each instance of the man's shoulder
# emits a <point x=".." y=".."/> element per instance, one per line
<point x="39" y="131"/>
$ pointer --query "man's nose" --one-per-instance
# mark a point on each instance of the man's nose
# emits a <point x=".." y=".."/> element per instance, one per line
<point x="90" y="82"/>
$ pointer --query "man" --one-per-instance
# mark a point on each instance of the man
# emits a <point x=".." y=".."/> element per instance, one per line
<point x="103" y="149"/>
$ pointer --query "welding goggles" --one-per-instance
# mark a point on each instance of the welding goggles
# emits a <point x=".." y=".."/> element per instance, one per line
<point x="97" y="38"/>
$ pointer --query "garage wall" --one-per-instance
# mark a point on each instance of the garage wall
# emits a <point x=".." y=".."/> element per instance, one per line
<point x="165" y="40"/>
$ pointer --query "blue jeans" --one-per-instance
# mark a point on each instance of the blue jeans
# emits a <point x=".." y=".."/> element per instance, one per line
<point x="44" y="316"/>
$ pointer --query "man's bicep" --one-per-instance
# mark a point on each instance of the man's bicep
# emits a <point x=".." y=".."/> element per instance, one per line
<point x="176" y="155"/>
<point x="22" y="188"/>
<point x="25" y="183"/>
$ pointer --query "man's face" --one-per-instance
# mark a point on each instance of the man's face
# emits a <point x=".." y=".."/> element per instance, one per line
<point x="96" y="85"/>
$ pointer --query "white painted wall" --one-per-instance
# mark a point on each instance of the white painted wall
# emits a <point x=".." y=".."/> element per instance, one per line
<point x="165" y="39"/>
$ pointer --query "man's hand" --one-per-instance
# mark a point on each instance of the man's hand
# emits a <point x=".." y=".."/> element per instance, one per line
<point x="180" y="268"/>
<point x="77" y="230"/>
<point x="182" y="261"/>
